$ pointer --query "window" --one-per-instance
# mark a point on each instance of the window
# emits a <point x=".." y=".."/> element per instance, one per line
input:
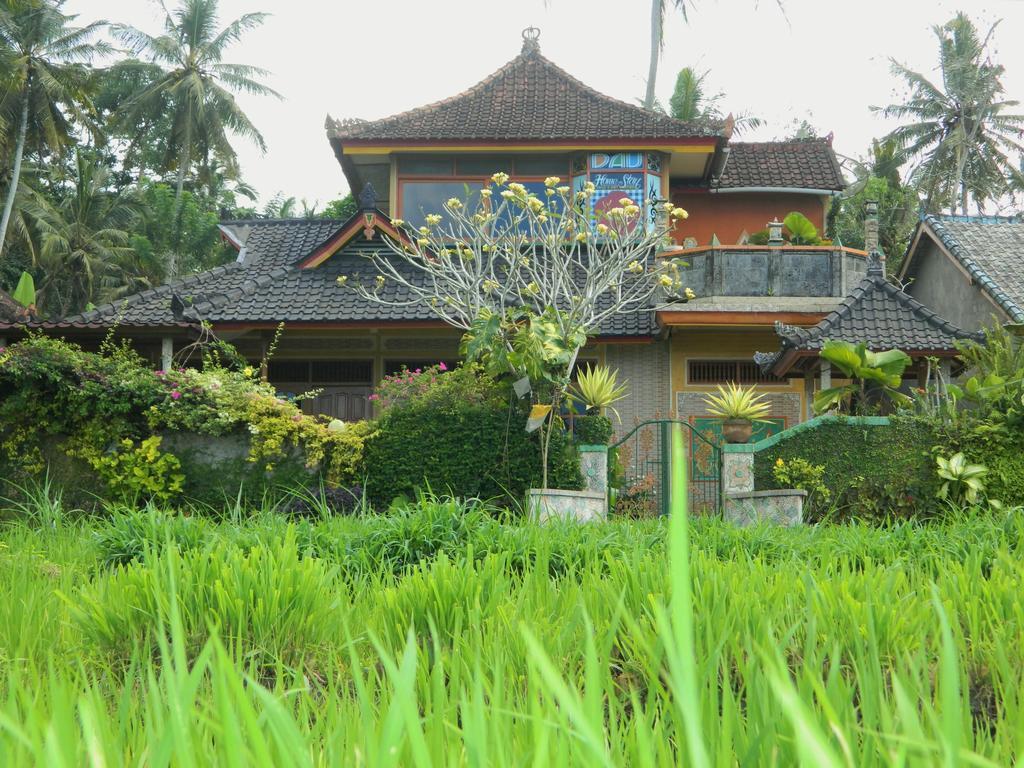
<point x="321" y="371"/>
<point x="420" y="198"/>
<point x="426" y="165"/>
<point x="722" y="371"/>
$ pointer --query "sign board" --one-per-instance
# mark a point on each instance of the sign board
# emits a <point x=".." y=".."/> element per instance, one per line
<point x="537" y="416"/>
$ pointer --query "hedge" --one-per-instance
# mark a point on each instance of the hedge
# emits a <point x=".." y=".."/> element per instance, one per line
<point x="872" y="471"/>
<point x="475" y="450"/>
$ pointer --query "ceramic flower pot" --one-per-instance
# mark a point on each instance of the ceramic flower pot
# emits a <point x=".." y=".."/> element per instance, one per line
<point x="737" y="430"/>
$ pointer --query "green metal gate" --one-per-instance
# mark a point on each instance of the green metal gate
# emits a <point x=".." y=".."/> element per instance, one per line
<point x="640" y="469"/>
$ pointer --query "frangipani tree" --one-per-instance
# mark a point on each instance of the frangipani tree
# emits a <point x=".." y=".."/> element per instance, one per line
<point x="528" y="278"/>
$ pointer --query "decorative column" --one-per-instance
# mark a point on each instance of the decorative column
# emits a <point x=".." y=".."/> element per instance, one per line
<point x="826" y="374"/>
<point x="166" y="352"/>
<point x="594" y="467"/>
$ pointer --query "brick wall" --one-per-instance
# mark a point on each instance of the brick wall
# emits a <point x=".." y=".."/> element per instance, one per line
<point x="646" y="368"/>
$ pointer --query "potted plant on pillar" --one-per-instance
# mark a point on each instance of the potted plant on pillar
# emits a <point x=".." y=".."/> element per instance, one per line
<point x="738" y="407"/>
<point x="596" y="389"/>
<point x="528" y="277"/>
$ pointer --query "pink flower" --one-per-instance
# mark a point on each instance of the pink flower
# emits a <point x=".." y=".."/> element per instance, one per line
<point x="175" y="395"/>
<point x="373" y="397"/>
<point x="441" y="366"/>
<point x="158" y="373"/>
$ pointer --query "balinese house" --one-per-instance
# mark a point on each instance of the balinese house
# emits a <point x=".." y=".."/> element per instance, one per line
<point x="970" y="269"/>
<point x="533" y="120"/>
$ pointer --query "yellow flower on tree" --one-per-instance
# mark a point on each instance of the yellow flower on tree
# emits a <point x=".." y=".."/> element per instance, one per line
<point x="690" y="294"/>
<point x="680" y="213"/>
<point x="552" y="181"/>
<point x="454" y="203"/>
<point x="500" y="177"/>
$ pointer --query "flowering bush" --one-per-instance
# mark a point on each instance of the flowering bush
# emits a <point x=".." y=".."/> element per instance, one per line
<point x="436" y="384"/>
<point x="109" y="409"/>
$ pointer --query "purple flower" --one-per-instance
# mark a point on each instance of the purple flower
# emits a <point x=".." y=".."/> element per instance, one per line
<point x="175" y="395"/>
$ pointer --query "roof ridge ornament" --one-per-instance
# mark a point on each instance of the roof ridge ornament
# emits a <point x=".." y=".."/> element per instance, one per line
<point x="876" y="263"/>
<point x="531" y="41"/>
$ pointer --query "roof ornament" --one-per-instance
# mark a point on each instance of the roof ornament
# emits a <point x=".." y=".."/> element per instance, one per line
<point x="531" y="44"/>
<point x="876" y="263"/>
<point x="367" y="198"/>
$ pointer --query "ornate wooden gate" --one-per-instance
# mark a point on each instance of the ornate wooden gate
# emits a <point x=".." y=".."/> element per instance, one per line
<point x="640" y="468"/>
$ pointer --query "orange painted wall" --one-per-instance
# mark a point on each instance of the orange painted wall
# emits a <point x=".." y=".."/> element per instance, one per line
<point x="730" y="214"/>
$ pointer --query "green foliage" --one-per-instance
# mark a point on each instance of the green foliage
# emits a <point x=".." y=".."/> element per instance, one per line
<point x="91" y="403"/>
<point x="273" y="604"/>
<point x="801" y="230"/>
<point x="261" y="647"/>
<point x="962" y="482"/>
<point x="592" y="430"/>
<point x="130" y="533"/>
<point x="597" y="388"/>
<point x="139" y="472"/>
<point x="25" y="293"/>
<point x="897" y="216"/>
<point x="873" y="373"/>
<point x="473" y="446"/>
<point x="736" y="402"/>
<point x="805" y="476"/>
<point x="870" y="472"/>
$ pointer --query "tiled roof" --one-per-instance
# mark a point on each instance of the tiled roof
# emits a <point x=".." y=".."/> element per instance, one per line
<point x="269" y="287"/>
<point x="991" y="249"/>
<point x="10" y="310"/>
<point x="878" y="314"/>
<point x="798" y="164"/>
<point x="529" y="98"/>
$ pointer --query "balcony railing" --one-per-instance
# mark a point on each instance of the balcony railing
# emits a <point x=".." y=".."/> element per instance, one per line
<point x="761" y="270"/>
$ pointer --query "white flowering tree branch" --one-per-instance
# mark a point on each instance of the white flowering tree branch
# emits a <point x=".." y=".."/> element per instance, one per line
<point x="502" y="252"/>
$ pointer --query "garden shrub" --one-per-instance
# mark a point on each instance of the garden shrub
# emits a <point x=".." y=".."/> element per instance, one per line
<point x="870" y="471"/>
<point x="463" y="436"/>
<point x="592" y="430"/>
<point x="112" y="412"/>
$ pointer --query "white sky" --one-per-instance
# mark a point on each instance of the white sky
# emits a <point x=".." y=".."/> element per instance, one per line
<point x="825" y="60"/>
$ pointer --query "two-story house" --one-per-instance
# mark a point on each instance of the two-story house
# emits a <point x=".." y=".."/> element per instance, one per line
<point x="531" y="119"/>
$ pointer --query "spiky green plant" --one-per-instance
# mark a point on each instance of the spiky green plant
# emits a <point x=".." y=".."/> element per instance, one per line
<point x="736" y="402"/>
<point x="598" y="388"/>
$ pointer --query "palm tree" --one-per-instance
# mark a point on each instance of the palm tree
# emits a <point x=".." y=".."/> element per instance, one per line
<point x="46" y="85"/>
<point x="692" y="101"/>
<point x="962" y="131"/>
<point x="197" y="87"/>
<point x="658" y="10"/>
<point x="85" y="253"/>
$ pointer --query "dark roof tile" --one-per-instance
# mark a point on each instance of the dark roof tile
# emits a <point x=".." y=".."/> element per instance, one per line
<point x="991" y="249"/>
<point x="878" y="314"/>
<point x="797" y="164"/>
<point x="529" y="98"/>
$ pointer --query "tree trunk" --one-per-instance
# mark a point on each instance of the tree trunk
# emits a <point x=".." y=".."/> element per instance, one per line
<point x="19" y="151"/>
<point x="556" y="403"/>
<point x="172" y="257"/>
<point x="652" y="69"/>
